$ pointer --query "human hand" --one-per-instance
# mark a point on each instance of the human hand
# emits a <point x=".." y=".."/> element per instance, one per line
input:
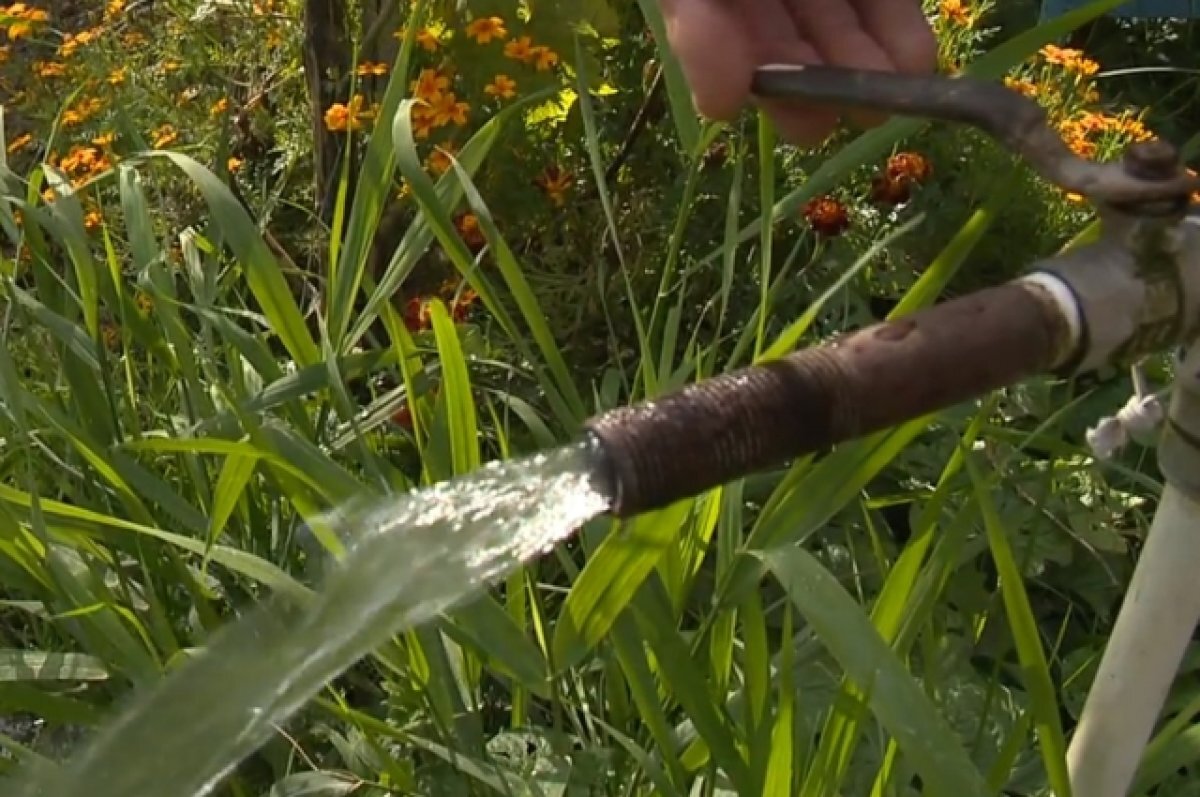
<point x="719" y="44"/>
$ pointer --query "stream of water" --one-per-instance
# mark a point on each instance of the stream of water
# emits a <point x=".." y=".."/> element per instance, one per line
<point x="409" y="559"/>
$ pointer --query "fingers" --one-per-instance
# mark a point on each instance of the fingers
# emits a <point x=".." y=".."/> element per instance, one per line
<point x="719" y="43"/>
<point x="709" y="39"/>
<point x="901" y="29"/>
<point x="838" y="35"/>
<point x="775" y="39"/>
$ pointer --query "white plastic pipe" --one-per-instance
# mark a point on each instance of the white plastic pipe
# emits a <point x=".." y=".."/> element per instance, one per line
<point x="1152" y="632"/>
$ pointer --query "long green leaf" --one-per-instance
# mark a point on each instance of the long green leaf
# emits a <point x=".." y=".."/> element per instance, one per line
<point x="895" y="698"/>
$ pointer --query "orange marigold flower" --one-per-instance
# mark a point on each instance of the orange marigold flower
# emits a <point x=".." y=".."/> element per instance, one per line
<point x="460" y="310"/>
<point x="888" y="189"/>
<point x="472" y="234"/>
<point x="1022" y="86"/>
<point x="19" y="143"/>
<point x="367" y="68"/>
<point x="417" y="314"/>
<point x="341" y="117"/>
<point x="521" y="49"/>
<point x="110" y="334"/>
<point x="164" y="136"/>
<point x="1069" y="59"/>
<point x="956" y="12"/>
<point x="427" y="38"/>
<point x="429" y="85"/>
<point x="49" y="68"/>
<point x="446" y="108"/>
<point x="827" y="216"/>
<point x="911" y="165"/>
<point x="402" y="417"/>
<point x="82" y="111"/>
<point x="555" y="182"/>
<point x="73" y="41"/>
<point x="485" y="29"/>
<point x="502" y="87"/>
<point x="544" y="58"/>
<point x="83" y="160"/>
<point x="440" y="159"/>
<point x="19" y="30"/>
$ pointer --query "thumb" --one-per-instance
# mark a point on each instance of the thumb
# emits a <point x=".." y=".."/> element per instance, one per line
<point x="711" y="43"/>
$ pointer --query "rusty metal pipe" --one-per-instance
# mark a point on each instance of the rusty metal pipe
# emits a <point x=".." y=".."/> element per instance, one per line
<point x="730" y="426"/>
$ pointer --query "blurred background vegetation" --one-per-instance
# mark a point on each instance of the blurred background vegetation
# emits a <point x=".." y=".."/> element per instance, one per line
<point x="221" y="260"/>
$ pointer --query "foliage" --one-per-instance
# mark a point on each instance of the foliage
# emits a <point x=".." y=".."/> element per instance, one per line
<point x="197" y="366"/>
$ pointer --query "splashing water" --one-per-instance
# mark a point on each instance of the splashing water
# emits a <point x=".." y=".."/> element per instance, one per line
<point x="408" y="559"/>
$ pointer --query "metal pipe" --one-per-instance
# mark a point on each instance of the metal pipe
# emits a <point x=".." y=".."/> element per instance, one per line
<point x="729" y="426"/>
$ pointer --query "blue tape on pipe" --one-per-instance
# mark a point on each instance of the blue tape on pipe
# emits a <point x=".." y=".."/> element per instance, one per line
<point x="1134" y="9"/>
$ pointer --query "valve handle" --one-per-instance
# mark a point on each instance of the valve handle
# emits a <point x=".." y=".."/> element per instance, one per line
<point x="1152" y="171"/>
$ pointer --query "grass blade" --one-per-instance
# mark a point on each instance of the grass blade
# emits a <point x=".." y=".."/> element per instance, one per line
<point x="895" y="698"/>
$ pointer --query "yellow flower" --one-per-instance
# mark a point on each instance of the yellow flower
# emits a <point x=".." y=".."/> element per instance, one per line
<point x="104" y="139"/>
<point x="234" y="165"/>
<point x="19" y="143"/>
<point x="219" y="107"/>
<point x="502" y="86"/>
<point x="92" y="220"/>
<point x="544" y="58"/>
<point x="484" y="29"/>
<point x="112" y="8"/>
<point x="366" y="68"/>
<point x="164" y="136"/>
<point x="117" y="76"/>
